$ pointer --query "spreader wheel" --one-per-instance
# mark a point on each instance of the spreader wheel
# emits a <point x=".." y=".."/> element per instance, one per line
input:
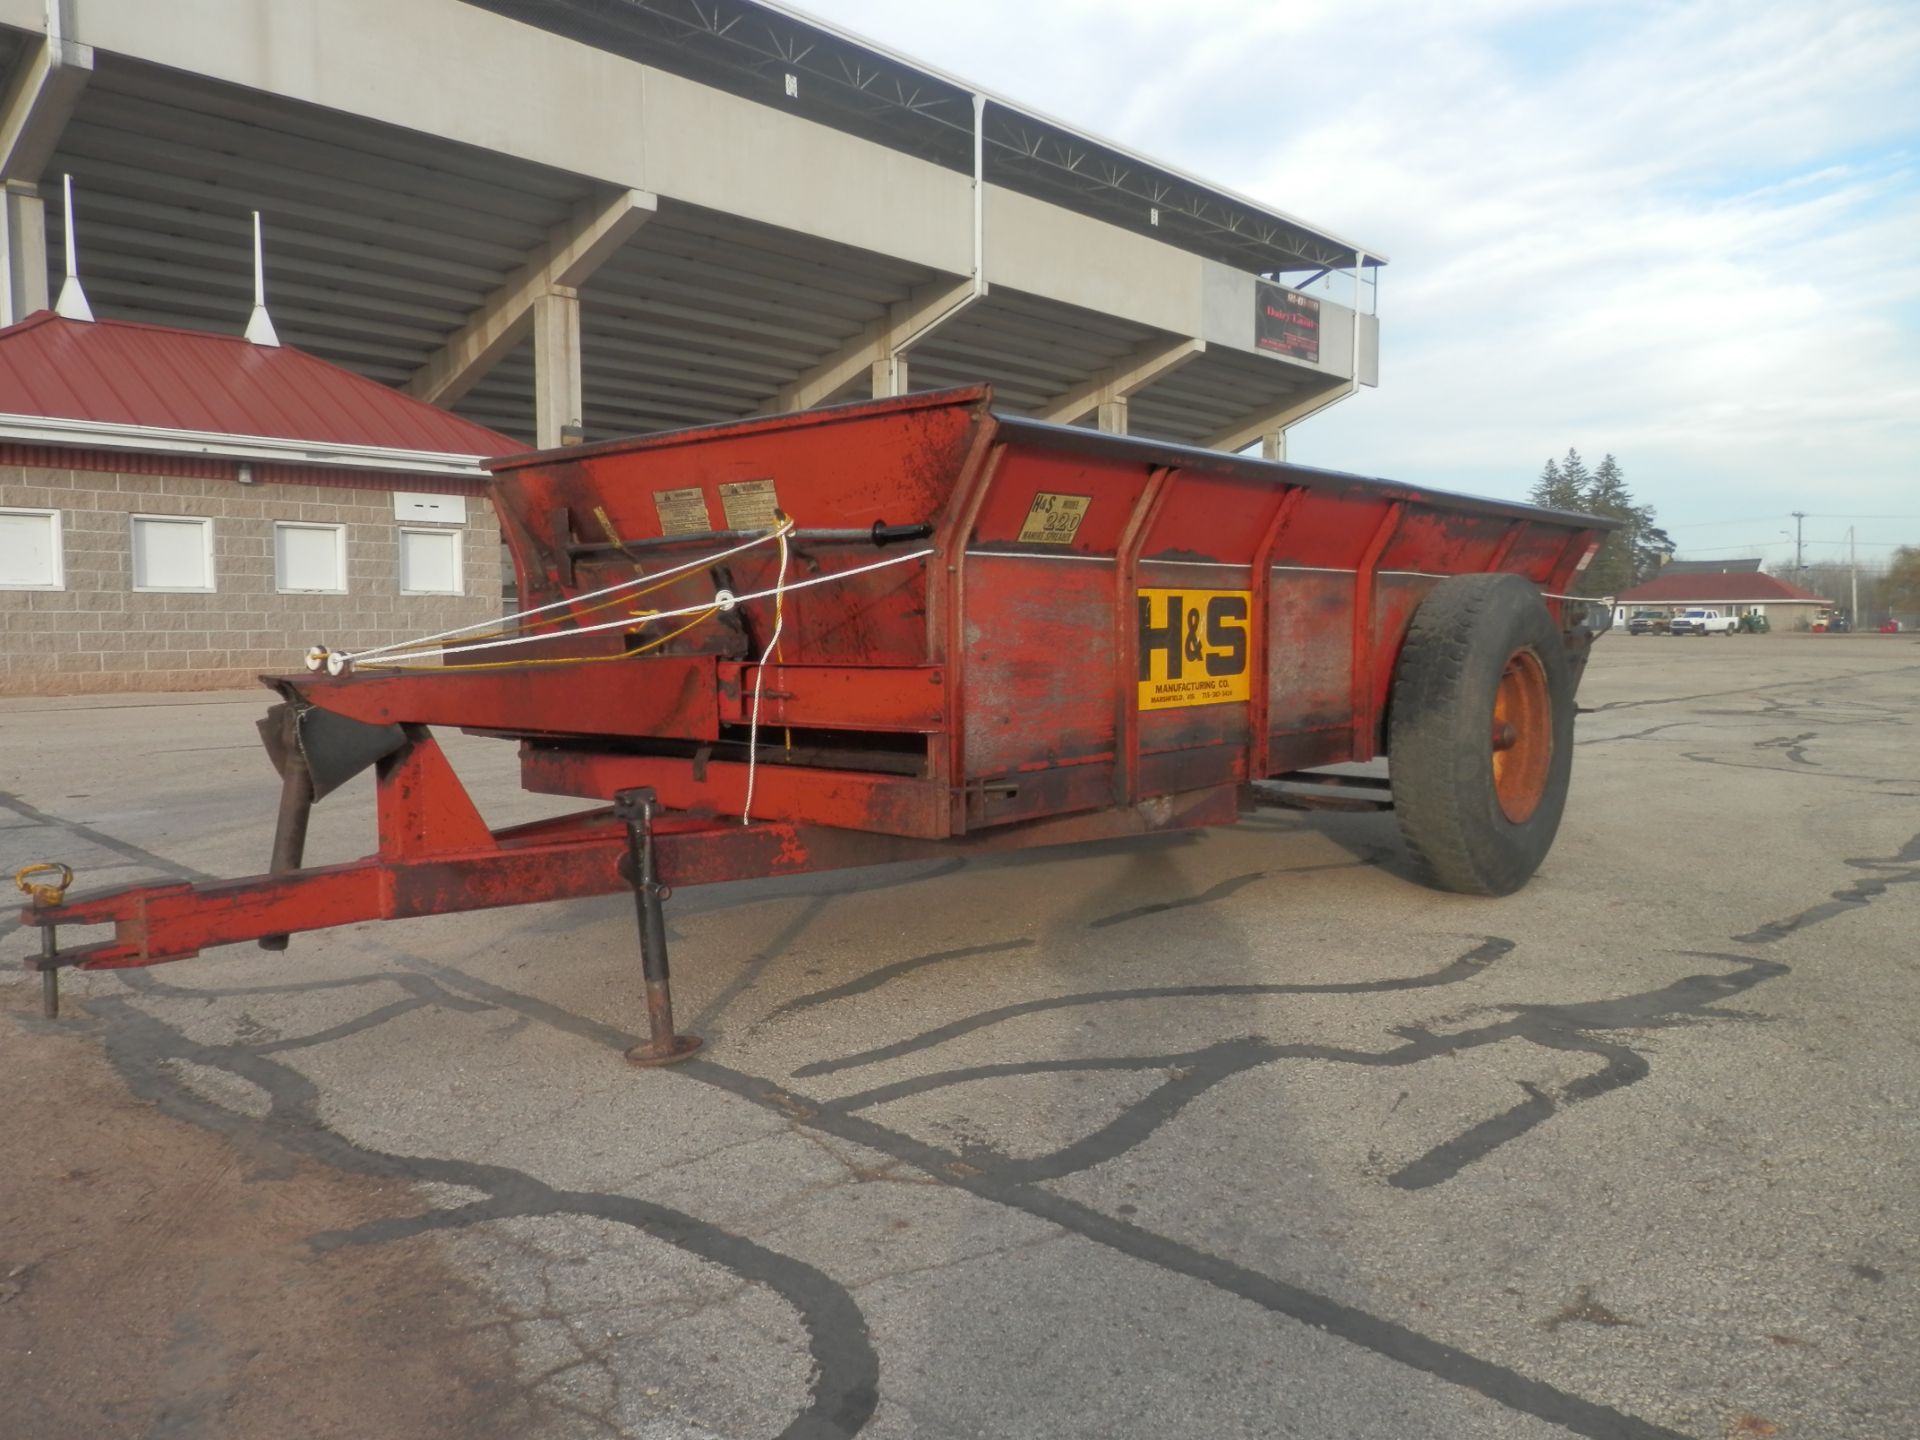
<point x="1480" y="733"/>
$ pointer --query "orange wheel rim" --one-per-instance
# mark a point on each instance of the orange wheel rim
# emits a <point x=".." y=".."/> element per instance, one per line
<point x="1522" y="736"/>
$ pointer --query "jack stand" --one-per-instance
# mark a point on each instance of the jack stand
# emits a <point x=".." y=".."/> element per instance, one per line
<point x="281" y="731"/>
<point x="663" y="1046"/>
<point x="49" y="894"/>
<point x="50" y="974"/>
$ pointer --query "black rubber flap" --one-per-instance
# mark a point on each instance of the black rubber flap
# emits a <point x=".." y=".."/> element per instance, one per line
<point x="337" y="748"/>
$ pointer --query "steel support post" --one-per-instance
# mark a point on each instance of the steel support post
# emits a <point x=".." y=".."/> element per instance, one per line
<point x="636" y="809"/>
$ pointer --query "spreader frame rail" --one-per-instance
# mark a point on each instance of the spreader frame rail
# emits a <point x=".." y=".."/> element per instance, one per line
<point x="436" y="856"/>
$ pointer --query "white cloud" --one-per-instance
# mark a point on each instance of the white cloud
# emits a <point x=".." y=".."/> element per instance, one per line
<point x="1682" y="232"/>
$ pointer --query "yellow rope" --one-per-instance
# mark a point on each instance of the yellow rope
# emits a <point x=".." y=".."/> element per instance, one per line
<point x="576" y="614"/>
<point x="621" y="599"/>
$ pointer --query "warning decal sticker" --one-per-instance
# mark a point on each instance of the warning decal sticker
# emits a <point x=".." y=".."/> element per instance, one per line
<point x="682" y="512"/>
<point x="1193" y="647"/>
<point x="749" y="504"/>
<point x="1054" y="519"/>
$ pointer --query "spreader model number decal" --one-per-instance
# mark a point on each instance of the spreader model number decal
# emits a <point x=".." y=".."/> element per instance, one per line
<point x="1193" y="647"/>
<point x="1054" y="519"/>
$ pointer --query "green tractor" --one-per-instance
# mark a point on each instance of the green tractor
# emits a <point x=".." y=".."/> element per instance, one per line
<point x="1754" y="624"/>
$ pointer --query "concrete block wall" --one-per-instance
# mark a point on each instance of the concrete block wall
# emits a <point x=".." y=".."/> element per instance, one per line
<point x="98" y="634"/>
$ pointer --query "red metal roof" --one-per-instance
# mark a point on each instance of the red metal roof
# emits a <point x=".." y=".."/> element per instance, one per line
<point x="115" y="372"/>
<point x="1697" y="589"/>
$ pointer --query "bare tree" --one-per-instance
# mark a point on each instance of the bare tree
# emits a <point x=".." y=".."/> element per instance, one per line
<point x="1833" y="580"/>
<point x="1902" y="591"/>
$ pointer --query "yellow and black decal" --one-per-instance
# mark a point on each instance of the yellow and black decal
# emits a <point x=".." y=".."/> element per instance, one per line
<point x="1194" y="647"/>
<point x="1054" y="519"/>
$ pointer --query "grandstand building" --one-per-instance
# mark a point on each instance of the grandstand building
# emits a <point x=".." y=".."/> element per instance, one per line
<point x="575" y="219"/>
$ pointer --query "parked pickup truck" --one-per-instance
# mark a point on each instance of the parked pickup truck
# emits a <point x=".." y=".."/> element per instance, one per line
<point x="1705" y="622"/>
<point x="1647" y="622"/>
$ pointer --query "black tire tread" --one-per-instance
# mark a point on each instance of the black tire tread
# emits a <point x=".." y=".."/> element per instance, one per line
<point x="1441" y="777"/>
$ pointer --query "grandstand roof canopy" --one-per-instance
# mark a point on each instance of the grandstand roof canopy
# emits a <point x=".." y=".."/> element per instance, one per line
<point x="749" y="47"/>
<point x="717" y="207"/>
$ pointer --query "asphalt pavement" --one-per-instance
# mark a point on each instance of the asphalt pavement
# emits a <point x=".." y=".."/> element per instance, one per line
<point x="1239" y="1133"/>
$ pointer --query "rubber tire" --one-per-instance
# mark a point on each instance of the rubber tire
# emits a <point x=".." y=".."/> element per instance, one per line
<point x="1440" y="726"/>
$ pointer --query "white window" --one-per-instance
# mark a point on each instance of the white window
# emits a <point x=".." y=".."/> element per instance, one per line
<point x="172" y="552"/>
<point x="309" y="559"/>
<point x="430" y="562"/>
<point x="30" y="550"/>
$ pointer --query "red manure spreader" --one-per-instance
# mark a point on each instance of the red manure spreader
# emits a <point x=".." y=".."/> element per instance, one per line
<point x="905" y="628"/>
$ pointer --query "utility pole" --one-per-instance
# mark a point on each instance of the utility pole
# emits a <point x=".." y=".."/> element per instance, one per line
<point x="1799" y="562"/>
<point x="1853" y="567"/>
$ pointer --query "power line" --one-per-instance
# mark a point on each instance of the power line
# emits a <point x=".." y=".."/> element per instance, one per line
<point x="1704" y="524"/>
<point x="1764" y="544"/>
<point x="1784" y="515"/>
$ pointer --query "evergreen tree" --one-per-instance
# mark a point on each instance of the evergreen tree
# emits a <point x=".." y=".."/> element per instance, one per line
<point x="1606" y="494"/>
<point x="1553" y="489"/>
<point x="1652" y="547"/>
<point x="1633" y="553"/>
<point x="1607" y="489"/>
<point x="1573" y="472"/>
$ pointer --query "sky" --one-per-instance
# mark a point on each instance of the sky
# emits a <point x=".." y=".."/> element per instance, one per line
<point x="1683" y="233"/>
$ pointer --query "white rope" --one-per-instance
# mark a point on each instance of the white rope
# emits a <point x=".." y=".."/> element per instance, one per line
<point x="759" y="680"/>
<point x="360" y="656"/>
<point x="630" y="622"/>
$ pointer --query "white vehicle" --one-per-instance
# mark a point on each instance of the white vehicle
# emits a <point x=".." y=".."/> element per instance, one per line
<point x="1704" y="622"/>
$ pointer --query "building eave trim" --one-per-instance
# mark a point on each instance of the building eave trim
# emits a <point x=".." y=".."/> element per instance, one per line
<point x="53" y="430"/>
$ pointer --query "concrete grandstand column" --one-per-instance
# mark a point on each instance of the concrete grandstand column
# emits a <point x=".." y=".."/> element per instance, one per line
<point x="1105" y="395"/>
<point x="557" y="404"/>
<point x="890" y="376"/>
<point x="36" y="101"/>
<point x="875" y="351"/>
<point x="1264" y="425"/>
<point x="573" y="251"/>
<point x="23" y="253"/>
<point x="1273" y="445"/>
